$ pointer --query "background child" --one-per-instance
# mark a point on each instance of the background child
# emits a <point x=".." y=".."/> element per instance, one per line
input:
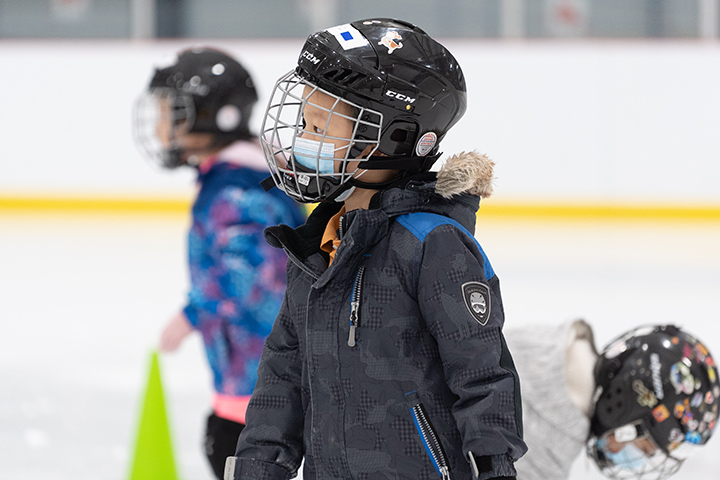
<point x="387" y="359"/>
<point x="196" y="113"/>
<point x="638" y="408"/>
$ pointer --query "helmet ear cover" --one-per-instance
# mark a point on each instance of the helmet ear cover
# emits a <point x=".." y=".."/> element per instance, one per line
<point x="399" y="138"/>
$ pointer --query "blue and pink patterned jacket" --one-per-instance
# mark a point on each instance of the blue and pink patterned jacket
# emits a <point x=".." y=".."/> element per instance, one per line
<point x="237" y="279"/>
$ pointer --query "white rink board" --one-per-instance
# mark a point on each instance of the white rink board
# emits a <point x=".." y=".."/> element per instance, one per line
<point x="607" y="122"/>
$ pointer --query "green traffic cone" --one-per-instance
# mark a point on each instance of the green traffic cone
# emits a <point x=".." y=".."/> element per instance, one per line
<point x="153" y="458"/>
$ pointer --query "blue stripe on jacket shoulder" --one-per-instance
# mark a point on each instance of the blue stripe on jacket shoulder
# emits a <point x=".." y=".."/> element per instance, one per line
<point x="420" y="224"/>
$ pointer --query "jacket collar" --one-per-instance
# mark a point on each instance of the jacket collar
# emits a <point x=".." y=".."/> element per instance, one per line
<point x="365" y="227"/>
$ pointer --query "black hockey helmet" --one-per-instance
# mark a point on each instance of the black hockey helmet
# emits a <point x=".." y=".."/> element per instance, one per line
<point x="658" y="383"/>
<point x="400" y="89"/>
<point x="204" y="90"/>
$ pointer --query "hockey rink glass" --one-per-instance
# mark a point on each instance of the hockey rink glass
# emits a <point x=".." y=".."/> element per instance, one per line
<point x="310" y="135"/>
<point x="161" y="116"/>
<point x="629" y="452"/>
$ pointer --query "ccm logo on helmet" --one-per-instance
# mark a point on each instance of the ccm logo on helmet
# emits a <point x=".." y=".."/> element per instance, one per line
<point x="315" y="60"/>
<point x="400" y="96"/>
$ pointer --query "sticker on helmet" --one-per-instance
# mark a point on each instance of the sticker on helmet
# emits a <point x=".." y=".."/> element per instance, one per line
<point x="681" y="407"/>
<point x="477" y="301"/>
<point x="655" y="368"/>
<point x="391" y="41"/>
<point x="675" y="435"/>
<point x="693" y="438"/>
<point x="646" y="398"/>
<point x="303" y="179"/>
<point x="348" y="36"/>
<point x="426" y="144"/>
<point x="682" y="379"/>
<point x="626" y="433"/>
<point x="218" y="69"/>
<point x="228" y="118"/>
<point x="661" y="413"/>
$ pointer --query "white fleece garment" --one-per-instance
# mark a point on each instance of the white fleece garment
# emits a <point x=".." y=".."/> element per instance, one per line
<point x="556" y="381"/>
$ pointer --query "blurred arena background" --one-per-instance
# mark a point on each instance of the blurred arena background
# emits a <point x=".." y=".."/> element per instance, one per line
<point x="602" y="115"/>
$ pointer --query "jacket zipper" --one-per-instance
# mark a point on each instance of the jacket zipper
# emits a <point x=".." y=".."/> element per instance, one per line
<point x="428" y="436"/>
<point x="341" y="227"/>
<point x="355" y="305"/>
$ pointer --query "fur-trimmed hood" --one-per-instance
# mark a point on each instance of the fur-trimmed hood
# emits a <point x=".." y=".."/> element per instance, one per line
<point x="455" y="192"/>
<point x="466" y="172"/>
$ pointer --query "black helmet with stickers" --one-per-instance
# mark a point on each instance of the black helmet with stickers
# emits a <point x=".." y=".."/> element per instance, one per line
<point x="656" y="392"/>
<point x="398" y="89"/>
<point x="200" y="90"/>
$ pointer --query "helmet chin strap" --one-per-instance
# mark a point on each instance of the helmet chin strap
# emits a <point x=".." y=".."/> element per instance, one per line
<point x="407" y="165"/>
<point x="403" y="163"/>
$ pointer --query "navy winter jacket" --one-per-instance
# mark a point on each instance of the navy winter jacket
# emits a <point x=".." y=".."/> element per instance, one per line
<point x="390" y="363"/>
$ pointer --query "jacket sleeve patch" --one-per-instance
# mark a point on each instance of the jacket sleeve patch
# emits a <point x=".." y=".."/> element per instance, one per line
<point x="477" y="301"/>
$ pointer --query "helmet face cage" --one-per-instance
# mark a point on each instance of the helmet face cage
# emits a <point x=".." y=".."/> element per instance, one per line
<point x="311" y="165"/>
<point x="636" y="457"/>
<point x="664" y="382"/>
<point x="162" y="116"/>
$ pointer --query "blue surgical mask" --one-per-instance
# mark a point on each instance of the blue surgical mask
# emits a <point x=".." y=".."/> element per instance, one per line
<point x="630" y="456"/>
<point x="306" y="151"/>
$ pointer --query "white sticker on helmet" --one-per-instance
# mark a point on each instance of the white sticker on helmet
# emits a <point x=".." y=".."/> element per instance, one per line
<point x="218" y="69"/>
<point x="426" y="144"/>
<point x="348" y="36"/>
<point x="626" y="433"/>
<point x="303" y="179"/>
<point x="391" y="40"/>
<point x="228" y="118"/>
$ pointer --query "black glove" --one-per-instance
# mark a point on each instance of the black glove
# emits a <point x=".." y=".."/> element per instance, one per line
<point x="480" y="465"/>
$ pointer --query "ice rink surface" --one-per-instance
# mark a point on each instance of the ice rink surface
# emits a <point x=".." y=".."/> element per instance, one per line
<point x="83" y="299"/>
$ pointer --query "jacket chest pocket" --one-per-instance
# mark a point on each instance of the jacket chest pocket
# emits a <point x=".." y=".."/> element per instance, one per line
<point x="428" y="435"/>
<point x="356" y="305"/>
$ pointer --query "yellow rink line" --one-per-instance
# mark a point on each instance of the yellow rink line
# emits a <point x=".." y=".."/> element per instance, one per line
<point x="597" y="212"/>
<point x="489" y="209"/>
<point x="94" y="205"/>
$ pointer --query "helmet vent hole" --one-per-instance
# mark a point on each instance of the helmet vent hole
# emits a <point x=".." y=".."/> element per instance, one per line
<point x="399" y="136"/>
<point x="344" y="76"/>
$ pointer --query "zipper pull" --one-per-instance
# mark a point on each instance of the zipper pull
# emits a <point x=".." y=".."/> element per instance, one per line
<point x="353" y="323"/>
<point x="445" y="472"/>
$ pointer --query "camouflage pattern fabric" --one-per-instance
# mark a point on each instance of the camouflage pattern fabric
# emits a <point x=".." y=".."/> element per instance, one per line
<point x="424" y="382"/>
